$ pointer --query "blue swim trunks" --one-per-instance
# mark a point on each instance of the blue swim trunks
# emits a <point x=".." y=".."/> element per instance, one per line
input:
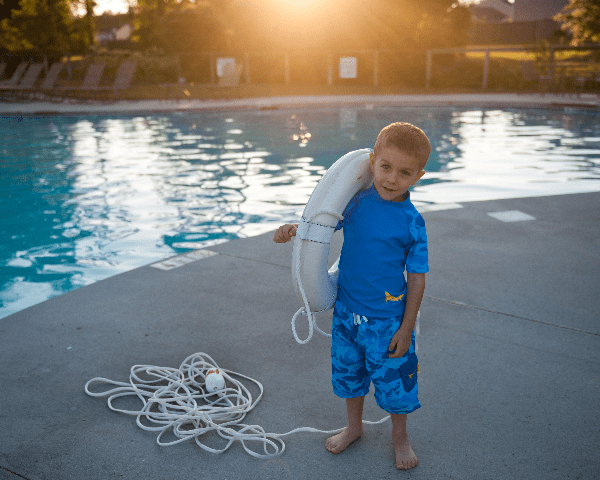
<point x="359" y="356"/>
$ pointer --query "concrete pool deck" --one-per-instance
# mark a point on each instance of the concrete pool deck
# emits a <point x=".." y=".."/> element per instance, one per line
<point x="488" y="100"/>
<point x="509" y="356"/>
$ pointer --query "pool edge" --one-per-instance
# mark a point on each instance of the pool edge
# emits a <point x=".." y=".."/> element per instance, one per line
<point x="553" y="101"/>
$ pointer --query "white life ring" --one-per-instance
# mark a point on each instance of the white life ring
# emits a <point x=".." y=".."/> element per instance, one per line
<point x="314" y="284"/>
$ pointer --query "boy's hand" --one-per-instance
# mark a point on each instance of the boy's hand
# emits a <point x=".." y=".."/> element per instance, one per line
<point x="285" y="233"/>
<point x="415" y="286"/>
<point x="400" y="343"/>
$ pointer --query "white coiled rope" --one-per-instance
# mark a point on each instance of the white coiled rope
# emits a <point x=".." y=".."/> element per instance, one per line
<point x="177" y="401"/>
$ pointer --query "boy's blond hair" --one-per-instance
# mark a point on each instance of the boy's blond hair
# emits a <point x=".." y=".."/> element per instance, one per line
<point x="406" y="138"/>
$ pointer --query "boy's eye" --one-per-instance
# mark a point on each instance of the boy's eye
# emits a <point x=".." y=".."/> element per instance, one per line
<point x="385" y="167"/>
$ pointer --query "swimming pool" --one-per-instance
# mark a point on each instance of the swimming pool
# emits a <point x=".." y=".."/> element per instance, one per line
<point x="84" y="198"/>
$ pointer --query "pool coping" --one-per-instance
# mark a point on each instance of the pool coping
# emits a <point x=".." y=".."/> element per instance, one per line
<point x="526" y="100"/>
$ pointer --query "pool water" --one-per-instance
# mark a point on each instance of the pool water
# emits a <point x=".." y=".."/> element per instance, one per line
<point x="84" y="198"/>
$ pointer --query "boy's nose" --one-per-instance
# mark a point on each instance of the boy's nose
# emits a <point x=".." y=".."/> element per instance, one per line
<point x="394" y="179"/>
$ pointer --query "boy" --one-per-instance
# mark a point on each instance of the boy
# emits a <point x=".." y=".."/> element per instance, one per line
<point x="376" y="309"/>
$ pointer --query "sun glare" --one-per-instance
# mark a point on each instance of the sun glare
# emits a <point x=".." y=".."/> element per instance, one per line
<point x="113" y="6"/>
<point x="295" y="14"/>
<point x="299" y="7"/>
<point x="299" y="3"/>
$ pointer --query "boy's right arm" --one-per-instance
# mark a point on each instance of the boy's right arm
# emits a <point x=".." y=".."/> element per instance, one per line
<point x="285" y="233"/>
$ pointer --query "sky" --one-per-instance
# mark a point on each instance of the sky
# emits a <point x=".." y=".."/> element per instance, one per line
<point x="114" y="6"/>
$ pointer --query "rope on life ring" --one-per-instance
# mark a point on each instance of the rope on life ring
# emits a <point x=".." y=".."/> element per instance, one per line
<point x="305" y="310"/>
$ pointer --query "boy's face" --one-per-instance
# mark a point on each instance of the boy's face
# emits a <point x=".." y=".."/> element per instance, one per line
<point x="393" y="172"/>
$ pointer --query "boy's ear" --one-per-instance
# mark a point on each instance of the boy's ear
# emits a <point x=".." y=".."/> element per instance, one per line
<point x="419" y="175"/>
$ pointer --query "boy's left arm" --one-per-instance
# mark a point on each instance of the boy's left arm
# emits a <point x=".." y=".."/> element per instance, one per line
<point x="415" y="287"/>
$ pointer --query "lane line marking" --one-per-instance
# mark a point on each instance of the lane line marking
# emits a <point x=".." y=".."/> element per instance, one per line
<point x="511" y="216"/>
<point x="435" y="207"/>
<point x="183" y="259"/>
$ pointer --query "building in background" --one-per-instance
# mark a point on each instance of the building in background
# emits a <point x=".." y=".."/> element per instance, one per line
<point x="493" y="11"/>
<point x="500" y="22"/>
<point x="534" y="10"/>
<point x="113" y="30"/>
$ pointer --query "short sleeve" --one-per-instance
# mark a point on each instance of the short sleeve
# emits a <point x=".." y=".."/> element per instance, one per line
<point x="417" y="257"/>
<point x="349" y="210"/>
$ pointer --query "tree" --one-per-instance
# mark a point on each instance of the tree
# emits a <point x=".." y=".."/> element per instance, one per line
<point x="43" y="25"/>
<point x="581" y="18"/>
<point x="89" y="28"/>
<point x="191" y="29"/>
<point x="6" y="8"/>
<point x="348" y="24"/>
<point x="325" y="25"/>
<point x="39" y="24"/>
<point x="148" y="16"/>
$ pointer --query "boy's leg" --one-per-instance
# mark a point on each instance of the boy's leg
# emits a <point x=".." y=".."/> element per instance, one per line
<point x="339" y="442"/>
<point x="405" y="457"/>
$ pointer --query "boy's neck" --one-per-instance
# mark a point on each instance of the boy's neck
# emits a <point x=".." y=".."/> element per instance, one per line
<point x="403" y="197"/>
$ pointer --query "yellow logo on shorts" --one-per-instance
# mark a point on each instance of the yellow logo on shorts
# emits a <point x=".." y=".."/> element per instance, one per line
<point x="391" y="298"/>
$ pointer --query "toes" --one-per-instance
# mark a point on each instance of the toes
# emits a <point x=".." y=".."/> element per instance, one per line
<point x="330" y="445"/>
<point x="407" y="464"/>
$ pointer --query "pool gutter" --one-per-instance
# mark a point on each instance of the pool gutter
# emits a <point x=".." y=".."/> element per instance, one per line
<point x="40" y="108"/>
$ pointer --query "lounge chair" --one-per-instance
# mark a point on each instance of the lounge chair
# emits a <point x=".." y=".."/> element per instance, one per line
<point x="28" y="80"/>
<point x="52" y="76"/>
<point x="31" y="76"/>
<point x="124" y="75"/>
<point x="94" y="73"/>
<point x="16" y="76"/>
<point x="92" y="77"/>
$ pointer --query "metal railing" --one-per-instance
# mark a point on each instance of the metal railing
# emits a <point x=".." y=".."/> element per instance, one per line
<point x="550" y="63"/>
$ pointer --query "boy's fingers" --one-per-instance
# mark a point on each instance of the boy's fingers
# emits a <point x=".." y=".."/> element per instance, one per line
<point x="285" y="233"/>
<point x="396" y="354"/>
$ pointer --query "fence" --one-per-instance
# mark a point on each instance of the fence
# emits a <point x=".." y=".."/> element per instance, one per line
<point x="362" y="67"/>
<point x="352" y="67"/>
<point x="448" y="68"/>
<point x="558" y="73"/>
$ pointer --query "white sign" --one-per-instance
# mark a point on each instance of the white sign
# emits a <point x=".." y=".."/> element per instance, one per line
<point x="225" y="65"/>
<point x="348" y="67"/>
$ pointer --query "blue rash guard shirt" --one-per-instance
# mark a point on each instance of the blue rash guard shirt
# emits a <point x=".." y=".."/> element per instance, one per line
<point x="381" y="239"/>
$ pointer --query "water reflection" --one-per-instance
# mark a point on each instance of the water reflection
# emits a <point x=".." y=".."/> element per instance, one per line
<point x="85" y="198"/>
<point x="492" y="154"/>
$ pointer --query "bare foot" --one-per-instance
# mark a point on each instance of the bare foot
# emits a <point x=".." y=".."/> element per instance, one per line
<point x="405" y="457"/>
<point x="339" y="442"/>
